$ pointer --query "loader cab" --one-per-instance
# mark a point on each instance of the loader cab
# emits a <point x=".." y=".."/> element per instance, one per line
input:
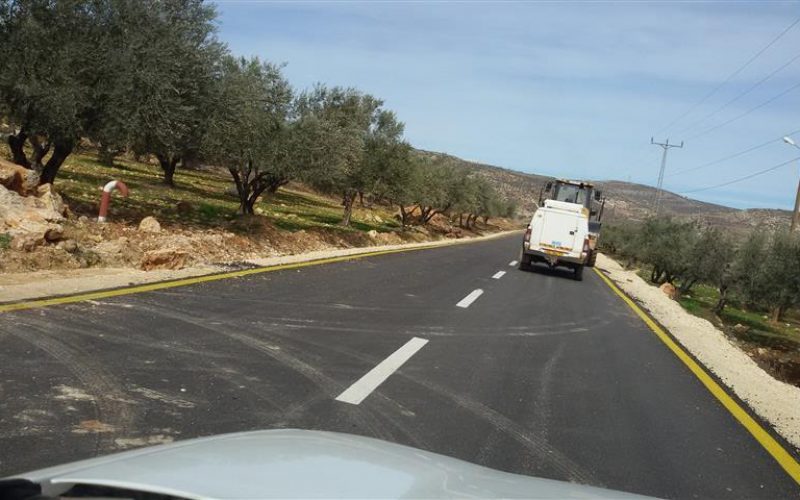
<point x="580" y="193"/>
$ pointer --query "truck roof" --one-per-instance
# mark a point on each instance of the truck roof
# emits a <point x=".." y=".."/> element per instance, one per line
<point x="575" y="183"/>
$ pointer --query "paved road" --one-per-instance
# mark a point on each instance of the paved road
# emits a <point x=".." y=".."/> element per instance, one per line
<point x="540" y="375"/>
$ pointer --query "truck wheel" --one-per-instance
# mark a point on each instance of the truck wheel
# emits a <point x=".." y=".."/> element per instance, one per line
<point x="524" y="262"/>
<point x="578" y="273"/>
<point x="592" y="259"/>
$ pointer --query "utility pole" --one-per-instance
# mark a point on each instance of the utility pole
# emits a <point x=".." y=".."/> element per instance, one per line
<point x="796" y="209"/>
<point x="665" y="146"/>
<point x="788" y="140"/>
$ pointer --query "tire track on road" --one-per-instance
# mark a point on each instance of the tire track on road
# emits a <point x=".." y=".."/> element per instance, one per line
<point x="540" y="447"/>
<point x="327" y="385"/>
<point x="113" y="406"/>
<point x="541" y="406"/>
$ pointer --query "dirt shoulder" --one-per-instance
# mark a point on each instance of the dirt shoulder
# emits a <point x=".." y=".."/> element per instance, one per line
<point x="776" y="402"/>
<point x="38" y="284"/>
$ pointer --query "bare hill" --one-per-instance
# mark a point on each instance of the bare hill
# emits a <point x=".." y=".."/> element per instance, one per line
<point x="625" y="200"/>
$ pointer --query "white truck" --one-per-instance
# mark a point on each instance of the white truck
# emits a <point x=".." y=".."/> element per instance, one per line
<point x="560" y="232"/>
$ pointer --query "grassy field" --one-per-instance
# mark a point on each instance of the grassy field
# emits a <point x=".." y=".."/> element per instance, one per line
<point x="701" y="300"/>
<point x="203" y="196"/>
<point x="773" y="346"/>
<point x="784" y="335"/>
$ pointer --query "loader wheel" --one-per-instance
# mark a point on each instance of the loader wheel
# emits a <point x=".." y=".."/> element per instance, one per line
<point x="591" y="260"/>
<point x="578" y="273"/>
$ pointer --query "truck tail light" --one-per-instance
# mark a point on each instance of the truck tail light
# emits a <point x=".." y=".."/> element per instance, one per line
<point x="527" y="237"/>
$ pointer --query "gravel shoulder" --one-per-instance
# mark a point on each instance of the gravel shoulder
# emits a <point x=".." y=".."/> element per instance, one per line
<point x="39" y="284"/>
<point x="776" y="402"/>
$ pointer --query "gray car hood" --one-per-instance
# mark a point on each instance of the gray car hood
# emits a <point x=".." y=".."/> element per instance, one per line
<point x="299" y="464"/>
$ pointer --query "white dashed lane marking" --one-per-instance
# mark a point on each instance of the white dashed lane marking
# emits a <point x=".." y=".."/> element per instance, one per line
<point x="498" y="275"/>
<point x="362" y="388"/>
<point x="469" y="299"/>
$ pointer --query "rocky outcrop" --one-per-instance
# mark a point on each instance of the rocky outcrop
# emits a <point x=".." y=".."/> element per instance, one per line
<point x="17" y="179"/>
<point x="32" y="219"/>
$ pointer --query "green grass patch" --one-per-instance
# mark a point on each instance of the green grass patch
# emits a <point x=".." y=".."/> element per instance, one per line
<point x="203" y="195"/>
<point x="692" y="305"/>
<point x="702" y="298"/>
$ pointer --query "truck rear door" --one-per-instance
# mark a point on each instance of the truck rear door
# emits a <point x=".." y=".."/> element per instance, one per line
<point x="559" y="231"/>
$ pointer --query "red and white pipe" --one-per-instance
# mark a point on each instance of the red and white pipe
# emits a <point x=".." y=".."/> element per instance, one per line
<point x="106" y="199"/>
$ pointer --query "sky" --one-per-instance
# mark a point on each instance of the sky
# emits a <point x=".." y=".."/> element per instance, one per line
<point x="568" y="89"/>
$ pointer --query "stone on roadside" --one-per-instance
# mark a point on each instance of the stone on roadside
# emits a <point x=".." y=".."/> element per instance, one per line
<point x="54" y="233"/>
<point x="49" y="200"/>
<point x="70" y="246"/>
<point x="112" y="247"/>
<point x="166" y="258"/>
<point x="26" y="242"/>
<point x="669" y="290"/>
<point x="740" y="328"/>
<point x="372" y="233"/>
<point x="14" y="177"/>
<point x="150" y="225"/>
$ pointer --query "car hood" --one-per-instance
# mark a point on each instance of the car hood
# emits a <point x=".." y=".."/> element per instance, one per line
<point x="291" y="463"/>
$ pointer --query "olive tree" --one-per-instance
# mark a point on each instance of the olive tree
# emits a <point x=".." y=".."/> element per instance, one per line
<point x="385" y="159"/>
<point x="164" y="108"/>
<point x="664" y="244"/>
<point x="708" y="256"/>
<point x="354" y="120"/>
<point x="437" y="192"/>
<point x="781" y="274"/>
<point x="748" y="268"/>
<point x="615" y="240"/>
<point x="403" y="182"/>
<point x="52" y="53"/>
<point x="249" y="121"/>
<point x="118" y="72"/>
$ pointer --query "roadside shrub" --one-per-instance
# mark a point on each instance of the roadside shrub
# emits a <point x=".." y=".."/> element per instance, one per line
<point x="5" y="241"/>
<point x="620" y="241"/>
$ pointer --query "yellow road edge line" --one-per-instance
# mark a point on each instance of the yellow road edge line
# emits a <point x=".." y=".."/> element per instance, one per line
<point x="160" y="285"/>
<point x="783" y="457"/>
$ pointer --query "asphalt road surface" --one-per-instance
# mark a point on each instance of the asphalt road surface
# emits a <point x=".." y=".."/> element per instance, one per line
<point x="538" y="375"/>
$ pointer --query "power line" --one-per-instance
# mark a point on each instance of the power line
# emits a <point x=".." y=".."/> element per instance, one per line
<point x="744" y="93"/>
<point x="740" y="179"/>
<point x="732" y="156"/>
<point x="742" y="115"/>
<point x="731" y="76"/>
